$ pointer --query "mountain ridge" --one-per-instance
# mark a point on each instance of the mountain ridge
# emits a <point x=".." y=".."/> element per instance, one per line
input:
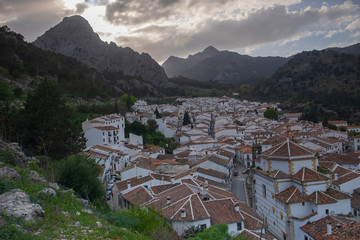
<point x="222" y="66"/>
<point x="74" y="37"/>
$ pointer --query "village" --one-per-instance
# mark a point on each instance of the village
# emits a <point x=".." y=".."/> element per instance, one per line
<point x="264" y="178"/>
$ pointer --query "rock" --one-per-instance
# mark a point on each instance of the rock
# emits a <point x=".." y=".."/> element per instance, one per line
<point x="7" y="172"/>
<point x="74" y="37"/>
<point x="87" y="211"/>
<point x="84" y="202"/>
<point x="53" y="185"/>
<point x="99" y="224"/>
<point x="17" y="203"/>
<point x="77" y="224"/>
<point x="34" y="175"/>
<point x="49" y="192"/>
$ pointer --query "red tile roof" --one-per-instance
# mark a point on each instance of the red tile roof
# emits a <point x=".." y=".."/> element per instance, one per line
<point x="348" y="232"/>
<point x="308" y="175"/>
<point x="223" y="211"/>
<point x="291" y="195"/>
<point x="138" y="196"/>
<point x="319" y="198"/>
<point x="317" y="229"/>
<point x="288" y="149"/>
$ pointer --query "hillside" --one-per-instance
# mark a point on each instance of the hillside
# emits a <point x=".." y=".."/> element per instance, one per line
<point x="223" y="67"/>
<point x="23" y="64"/>
<point x="328" y="78"/>
<point x="32" y="206"/>
<point x="74" y="37"/>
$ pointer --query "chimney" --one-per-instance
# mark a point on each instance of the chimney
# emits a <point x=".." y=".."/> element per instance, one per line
<point x="191" y="175"/>
<point x="328" y="228"/>
<point x="128" y="184"/>
<point x="237" y="207"/>
<point x="183" y="213"/>
<point x="168" y="200"/>
<point x="201" y="188"/>
<point x="335" y="177"/>
<point x="206" y="181"/>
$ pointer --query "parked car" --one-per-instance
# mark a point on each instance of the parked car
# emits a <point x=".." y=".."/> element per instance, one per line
<point x="246" y="171"/>
<point x="235" y="173"/>
<point x="111" y="183"/>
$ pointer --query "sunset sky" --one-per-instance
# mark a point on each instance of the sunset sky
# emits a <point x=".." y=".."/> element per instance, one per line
<point x="181" y="27"/>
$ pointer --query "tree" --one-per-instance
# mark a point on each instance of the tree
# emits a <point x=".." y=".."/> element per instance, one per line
<point x="128" y="100"/>
<point x="309" y="116"/>
<point x="271" y="113"/>
<point x="157" y="114"/>
<point x="186" y="119"/>
<point x="152" y="125"/>
<point x="80" y="173"/>
<point x="216" y="232"/>
<point x="137" y="128"/>
<point x="50" y="127"/>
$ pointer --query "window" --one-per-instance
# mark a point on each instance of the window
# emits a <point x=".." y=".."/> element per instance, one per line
<point x="272" y="195"/>
<point x="355" y="213"/>
<point x="306" y="238"/>
<point x="273" y="210"/>
<point x="281" y="216"/>
<point x="239" y="226"/>
<point x="203" y="227"/>
<point x="264" y="190"/>
<point x="327" y="211"/>
<point x="303" y="203"/>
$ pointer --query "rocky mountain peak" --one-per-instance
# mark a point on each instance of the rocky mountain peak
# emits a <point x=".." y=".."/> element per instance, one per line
<point x="210" y="50"/>
<point x="74" y="37"/>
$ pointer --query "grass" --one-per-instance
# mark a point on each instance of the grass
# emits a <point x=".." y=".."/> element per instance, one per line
<point x="61" y="215"/>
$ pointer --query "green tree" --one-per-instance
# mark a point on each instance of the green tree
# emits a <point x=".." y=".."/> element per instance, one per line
<point x="271" y="113"/>
<point x="50" y="127"/>
<point x="216" y="232"/>
<point x="186" y="119"/>
<point x="309" y="116"/>
<point x="152" y="125"/>
<point x="137" y="128"/>
<point x="157" y="114"/>
<point x="5" y="91"/>
<point x="80" y="173"/>
<point x="128" y="100"/>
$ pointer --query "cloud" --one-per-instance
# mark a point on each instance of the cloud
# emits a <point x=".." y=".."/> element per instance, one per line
<point x="30" y="17"/>
<point x="260" y="26"/>
<point x="80" y="8"/>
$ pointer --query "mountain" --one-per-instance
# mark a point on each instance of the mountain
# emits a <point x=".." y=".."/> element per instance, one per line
<point x="74" y="37"/>
<point x="223" y="66"/>
<point x="353" y="49"/>
<point x="329" y="77"/>
<point x="23" y="64"/>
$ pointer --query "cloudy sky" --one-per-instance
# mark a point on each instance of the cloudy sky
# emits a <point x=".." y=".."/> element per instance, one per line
<point x="181" y="27"/>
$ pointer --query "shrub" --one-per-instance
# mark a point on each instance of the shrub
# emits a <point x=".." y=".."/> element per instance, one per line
<point x="80" y="173"/>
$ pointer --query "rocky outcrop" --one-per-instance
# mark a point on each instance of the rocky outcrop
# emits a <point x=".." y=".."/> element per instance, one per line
<point x="9" y="173"/>
<point x="48" y="192"/>
<point x="74" y="37"/>
<point x="17" y="155"/>
<point x="35" y="176"/>
<point x="16" y="203"/>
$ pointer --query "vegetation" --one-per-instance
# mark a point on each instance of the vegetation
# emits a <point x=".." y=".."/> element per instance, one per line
<point x="186" y="119"/>
<point x="81" y="174"/>
<point x="271" y="113"/>
<point x="49" y="126"/>
<point x="216" y="232"/>
<point x="238" y="123"/>
<point x="64" y="210"/>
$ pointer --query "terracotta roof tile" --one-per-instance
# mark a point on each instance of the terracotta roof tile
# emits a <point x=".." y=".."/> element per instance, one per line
<point x="288" y="149"/>
<point x="319" y="198"/>
<point x="317" y="229"/>
<point x="223" y="211"/>
<point x="337" y="194"/>
<point x="138" y="196"/>
<point x="291" y="195"/>
<point x="308" y="175"/>
<point x="348" y="232"/>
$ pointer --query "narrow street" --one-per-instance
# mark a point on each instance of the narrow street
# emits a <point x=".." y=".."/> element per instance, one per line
<point x="238" y="183"/>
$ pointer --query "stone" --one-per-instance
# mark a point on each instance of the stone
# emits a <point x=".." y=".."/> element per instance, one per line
<point x="16" y="203"/>
<point x="87" y="211"/>
<point x="10" y="173"/>
<point x="77" y="224"/>
<point x="48" y="192"/>
<point x="84" y="202"/>
<point x="34" y="175"/>
<point x="99" y="224"/>
<point x="53" y="185"/>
